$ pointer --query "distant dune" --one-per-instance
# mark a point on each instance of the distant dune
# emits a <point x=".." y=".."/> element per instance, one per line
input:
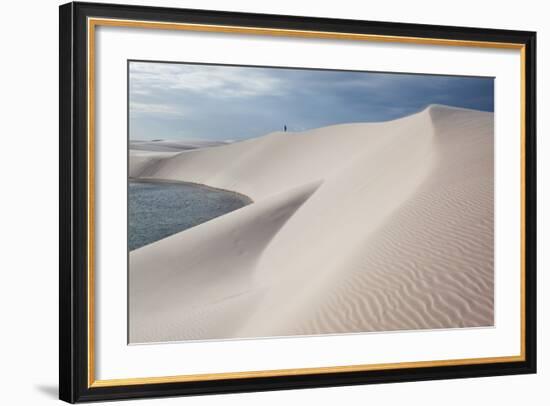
<point x="354" y="228"/>
<point x="144" y="154"/>
<point x="171" y="145"/>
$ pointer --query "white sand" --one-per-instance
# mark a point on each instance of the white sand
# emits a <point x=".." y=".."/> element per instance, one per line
<point x="354" y="228"/>
<point x="171" y="145"/>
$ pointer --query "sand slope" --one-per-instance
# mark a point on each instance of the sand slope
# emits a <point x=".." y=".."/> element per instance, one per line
<point x="355" y="227"/>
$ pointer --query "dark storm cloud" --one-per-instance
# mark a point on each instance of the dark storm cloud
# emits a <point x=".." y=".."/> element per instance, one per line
<point x="179" y="101"/>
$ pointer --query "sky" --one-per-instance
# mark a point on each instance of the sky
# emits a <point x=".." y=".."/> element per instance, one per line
<point x="180" y="101"/>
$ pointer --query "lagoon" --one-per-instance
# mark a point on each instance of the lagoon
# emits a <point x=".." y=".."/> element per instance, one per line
<point x="157" y="210"/>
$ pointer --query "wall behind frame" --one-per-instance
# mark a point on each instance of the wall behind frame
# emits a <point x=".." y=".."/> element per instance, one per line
<point x="28" y="207"/>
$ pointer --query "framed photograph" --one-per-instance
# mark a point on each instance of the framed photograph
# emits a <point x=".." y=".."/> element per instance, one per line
<point x="257" y="202"/>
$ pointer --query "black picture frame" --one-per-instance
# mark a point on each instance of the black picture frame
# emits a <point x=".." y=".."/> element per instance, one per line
<point x="74" y="384"/>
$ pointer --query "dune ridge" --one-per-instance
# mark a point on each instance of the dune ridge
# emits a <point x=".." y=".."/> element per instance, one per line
<point x="356" y="228"/>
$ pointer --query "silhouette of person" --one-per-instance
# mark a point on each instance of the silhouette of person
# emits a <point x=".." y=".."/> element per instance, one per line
<point x="285" y="128"/>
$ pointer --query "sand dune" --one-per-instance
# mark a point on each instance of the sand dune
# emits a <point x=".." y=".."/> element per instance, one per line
<point x="145" y="154"/>
<point x="355" y="228"/>
<point x="171" y="145"/>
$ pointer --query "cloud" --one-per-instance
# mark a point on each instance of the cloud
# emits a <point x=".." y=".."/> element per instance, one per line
<point x="216" y="81"/>
<point x="157" y="109"/>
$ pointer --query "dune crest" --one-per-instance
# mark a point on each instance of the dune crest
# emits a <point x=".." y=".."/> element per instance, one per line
<point x="355" y="228"/>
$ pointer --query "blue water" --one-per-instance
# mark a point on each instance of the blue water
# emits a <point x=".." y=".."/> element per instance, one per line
<point x="157" y="210"/>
